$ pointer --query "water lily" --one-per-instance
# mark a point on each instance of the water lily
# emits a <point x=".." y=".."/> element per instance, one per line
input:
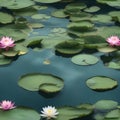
<point x="7" y="105"/>
<point x="113" y="41"/>
<point x="49" y="112"/>
<point x="6" y="43"/>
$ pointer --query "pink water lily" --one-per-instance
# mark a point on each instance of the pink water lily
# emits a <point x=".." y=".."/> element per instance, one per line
<point x="113" y="41"/>
<point x="6" y="43"/>
<point x="7" y="105"/>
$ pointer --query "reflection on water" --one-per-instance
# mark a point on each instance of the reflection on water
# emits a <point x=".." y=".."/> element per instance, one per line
<point x="75" y="90"/>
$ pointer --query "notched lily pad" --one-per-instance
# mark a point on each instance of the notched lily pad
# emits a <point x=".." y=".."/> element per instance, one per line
<point x="4" y="60"/>
<point x="46" y="83"/>
<point x="101" y="83"/>
<point x="92" y="9"/>
<point x="84" y="59"/>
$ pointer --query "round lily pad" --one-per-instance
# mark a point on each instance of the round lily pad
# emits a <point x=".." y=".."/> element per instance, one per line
<point x="20" y="113"/>
<point x="47" y="1"/>
<point x="40" y="16"/>
<point x="4" y="60"/>
<point x="84" y="59"/>
<point x="105" y="105"/>
<point x="5" y="18"/>
<point x="101" y="83"/>
<point x="92" y="9"/>
<point x="59" y="13"/>
<point x="44" y="82"/>
<point x="68" y="47"/>
<point x="16" y="4"/>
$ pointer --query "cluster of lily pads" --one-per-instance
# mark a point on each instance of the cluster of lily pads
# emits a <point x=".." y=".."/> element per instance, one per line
<point x="101" y="110"/>
<point x="85" y="30"/>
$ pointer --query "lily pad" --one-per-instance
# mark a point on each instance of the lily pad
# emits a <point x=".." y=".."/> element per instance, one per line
<point x="80" y="26"/>
<point x="105" y="105"/>
<point x="68" y="113"/>
<point x="40" y="16"/>
<point x="4" y="60"/>
<point x="114" y="65"/>
<point x="59" y="13"/>
<point x="92" y="9"/>
<point x="19" y="113"/>
<point x="68" y="47"/>
<point x="106" y="49"/>
<point x="10" y="53"/>
<point x="101" y="83"/>
<point x="46" y="83"/>
<point x="3" y="17"/>
<point x="47" y="1"/>
<point x="84" y="59"/>
<point x="16" y="4"/>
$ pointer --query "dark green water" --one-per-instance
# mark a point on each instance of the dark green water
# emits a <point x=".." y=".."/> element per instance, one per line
<point x="75" y="90"/>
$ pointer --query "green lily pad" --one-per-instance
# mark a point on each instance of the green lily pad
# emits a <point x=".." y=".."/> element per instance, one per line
<point x="59" y="13"/>
<point x="84" y="59"/>
<point x="101" y="83"/>
<point x="80" y="17"/>
<point x="105" y="105"/>
<point x="10" y="53"/>
<point x="92" y="9"/>
<point x="81" y="26"/>
<point x="35" y="25"/>
<point x="4" y="60"/>
<point x="106" y="49"/>
<point x="113" y="114"/>
<point x="40" y="16"/>
<point x="94" y="41"/>
<point x="44" y="82"/>
<point x="101" y="18"/>
<point x="16" y="4"/>
<point x="114" y="65"/>
<point x="68" y="113"/>
<point x="75" y="7"/>
<point x="68" y="47"/>
<point x="47" y="1"/>
<point x="3" y="17"/>
<point x="19" y="113"/>
<point x="115" y="15"/>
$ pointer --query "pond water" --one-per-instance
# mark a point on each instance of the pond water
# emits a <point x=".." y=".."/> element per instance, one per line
<point x="75" y="91"/>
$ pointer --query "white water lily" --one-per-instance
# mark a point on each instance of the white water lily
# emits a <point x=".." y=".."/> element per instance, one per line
<point x="49" y="112"/>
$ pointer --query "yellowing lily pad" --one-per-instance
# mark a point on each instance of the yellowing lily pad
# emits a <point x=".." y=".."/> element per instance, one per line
<point x="101" y="83"/>
<point x="44" y="82"/>
<point x="84" y="59"/>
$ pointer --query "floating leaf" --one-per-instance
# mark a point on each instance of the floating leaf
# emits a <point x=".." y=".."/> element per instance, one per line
<point x="40" y="16"/>
<point x="6" y="18"/>
<point x="105" y="105"/>
<point x="80" y="17"/>
<point x="19" y="113"/>
<point x="113" y="114"/>
<point x="92" y="9"/>
<point x="44" y="82"/>
<point x="75" y="7"/>
<point x="4" y="60"/>
<point x="114" y="65"/>
<point x="106" y="49"/>
<point x="16" y="4"/>
<point x="81" y="26"/>
<point x="10" y="53"/>
<point x="35" y="25"/>
<point x="59" y="13"/>
<point x="101" y="83"/>
<point x="84" y="59"/>
<point x="47" y="1"/>
<point x="68" y="113"/>
<point x="68" y="47"/>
